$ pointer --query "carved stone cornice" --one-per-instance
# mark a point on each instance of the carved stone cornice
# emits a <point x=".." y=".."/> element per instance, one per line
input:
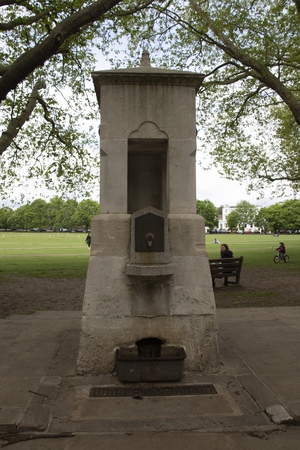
<point x="146" y="76"/>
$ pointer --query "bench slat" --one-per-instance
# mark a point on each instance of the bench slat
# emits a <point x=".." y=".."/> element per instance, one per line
<point x="226" y="268"/>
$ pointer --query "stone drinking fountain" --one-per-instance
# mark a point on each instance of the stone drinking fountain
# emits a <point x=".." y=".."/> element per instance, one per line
<point x="149" y="309"/>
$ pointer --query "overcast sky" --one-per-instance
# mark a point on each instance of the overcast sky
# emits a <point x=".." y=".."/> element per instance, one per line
<point x="210" y="186"/>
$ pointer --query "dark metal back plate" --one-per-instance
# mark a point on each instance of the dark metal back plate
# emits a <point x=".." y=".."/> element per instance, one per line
<point x="149" y="223"/>
<point x="153" y="391"/>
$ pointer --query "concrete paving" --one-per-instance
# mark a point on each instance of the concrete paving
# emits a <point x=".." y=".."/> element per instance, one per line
<point x="45" y="405"/>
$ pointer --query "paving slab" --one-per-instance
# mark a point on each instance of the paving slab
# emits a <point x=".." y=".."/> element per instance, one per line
<point x="256" y="440"/>
<point x="30" y="348"/>
<point x="268" y="340"/>
<point x="42" y="397"/>
<point x="231" y="408"/>
<point x="188" y="441"/>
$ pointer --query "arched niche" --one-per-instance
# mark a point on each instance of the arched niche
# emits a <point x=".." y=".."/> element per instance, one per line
<point x="147" y="168"/>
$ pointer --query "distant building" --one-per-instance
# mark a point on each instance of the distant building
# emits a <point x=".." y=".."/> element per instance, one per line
<point x="222" y="219"/>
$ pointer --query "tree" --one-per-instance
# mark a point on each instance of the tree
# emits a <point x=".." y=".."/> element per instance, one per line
<point x="84" y="213"/>
<point x="246" y="214"/>
<point x="232" y="220"/>
<point x="275" y="217"/>
<point x="261" y="220"/>
<point x="209" y="212"/>
<point x="249" y="101"/>
<point x="291" y="210"/>
<point x="56" y="212"/>
<point x="21" y="218"/>
<point x="37" y="214"/>
<point x="47" y="51"/>
<point x="5" y="215"/>
<point x="66" y="216"/>
<point x="280" y="216"/>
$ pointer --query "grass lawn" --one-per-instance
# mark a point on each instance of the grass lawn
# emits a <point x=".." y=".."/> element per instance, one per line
<point x="258" y="250"/>
<point x="43" y="255"/>
<point x="65" y="255"/>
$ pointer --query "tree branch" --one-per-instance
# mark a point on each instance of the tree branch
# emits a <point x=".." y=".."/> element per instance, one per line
<point x="260" y="71"/>
<point x="39" y="54"/>
<point x="8" y="2"/>
<point x="246" y="100"/>
<point x="297" y="3"/>
<point x="3" y="69"/>
<point x="16" y="123"/>
<point x="135" y="10"/>
<point x="232" y="79"/>
<point x="51" y="121"/>
<point x="272" y="179"/>
<point x="22" y="21"/>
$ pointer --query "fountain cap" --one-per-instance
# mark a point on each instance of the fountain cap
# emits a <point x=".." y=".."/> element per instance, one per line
<point x="145" y="60"/>
<point x="145" y="74"/>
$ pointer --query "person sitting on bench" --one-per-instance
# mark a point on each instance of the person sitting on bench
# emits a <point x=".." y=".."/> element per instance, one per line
<point x="225" y="252"/>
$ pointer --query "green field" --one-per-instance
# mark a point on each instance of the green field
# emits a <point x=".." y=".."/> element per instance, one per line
<point x="51" y="255"/>
<point x="44" y="255"/>
<point x="258" y="250"/>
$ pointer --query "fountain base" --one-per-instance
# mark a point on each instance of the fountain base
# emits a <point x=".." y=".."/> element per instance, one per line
<point x="134" y="368"/>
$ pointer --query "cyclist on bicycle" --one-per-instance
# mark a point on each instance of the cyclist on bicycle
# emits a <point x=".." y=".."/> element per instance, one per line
<point x="281" y="248"/>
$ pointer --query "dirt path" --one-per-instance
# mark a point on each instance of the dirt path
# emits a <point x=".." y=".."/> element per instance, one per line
<point x="23" y="295"/>
<point x="268" y="287"/>
<point x="261" y="287"/>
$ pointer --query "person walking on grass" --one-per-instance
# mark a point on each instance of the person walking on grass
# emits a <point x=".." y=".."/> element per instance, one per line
<point x="88" y="240"/>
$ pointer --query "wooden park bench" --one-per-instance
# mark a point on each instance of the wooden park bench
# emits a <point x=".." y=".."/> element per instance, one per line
<point x="226" y="268"/>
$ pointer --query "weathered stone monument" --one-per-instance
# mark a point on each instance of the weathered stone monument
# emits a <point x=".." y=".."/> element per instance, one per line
<point x="148" y="280"/>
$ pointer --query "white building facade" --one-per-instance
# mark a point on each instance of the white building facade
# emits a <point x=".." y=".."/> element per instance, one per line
<point x="222" y="220"/>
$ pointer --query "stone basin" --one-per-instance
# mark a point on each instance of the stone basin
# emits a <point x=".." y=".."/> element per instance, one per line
<point x="132" y="367"/>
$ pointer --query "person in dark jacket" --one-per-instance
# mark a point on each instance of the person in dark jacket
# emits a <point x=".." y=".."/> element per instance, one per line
<point x="225" y="252"/>
<point x="88" y="240"/>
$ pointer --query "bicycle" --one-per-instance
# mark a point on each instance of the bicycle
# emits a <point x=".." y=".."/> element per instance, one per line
<point x="281" y="256"/>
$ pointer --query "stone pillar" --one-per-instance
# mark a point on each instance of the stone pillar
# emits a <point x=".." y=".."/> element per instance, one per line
<point x="148" y="146"/>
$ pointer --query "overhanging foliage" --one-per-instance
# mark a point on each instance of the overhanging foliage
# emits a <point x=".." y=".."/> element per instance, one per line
<point x="249" y="100"/>
<point x="249" y="107"/>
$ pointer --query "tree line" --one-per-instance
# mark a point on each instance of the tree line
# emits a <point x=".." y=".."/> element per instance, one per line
<point x="56" y="215"/>
<point x="278" y="217"/>
<point x="59" y="214"/>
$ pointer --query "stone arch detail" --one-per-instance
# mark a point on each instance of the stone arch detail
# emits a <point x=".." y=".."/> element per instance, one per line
<point x="148" y="130"/>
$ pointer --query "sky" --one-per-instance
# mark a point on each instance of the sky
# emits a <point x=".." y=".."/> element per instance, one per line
<point x="220" y="191"/>
<point x="209" y="186"/>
